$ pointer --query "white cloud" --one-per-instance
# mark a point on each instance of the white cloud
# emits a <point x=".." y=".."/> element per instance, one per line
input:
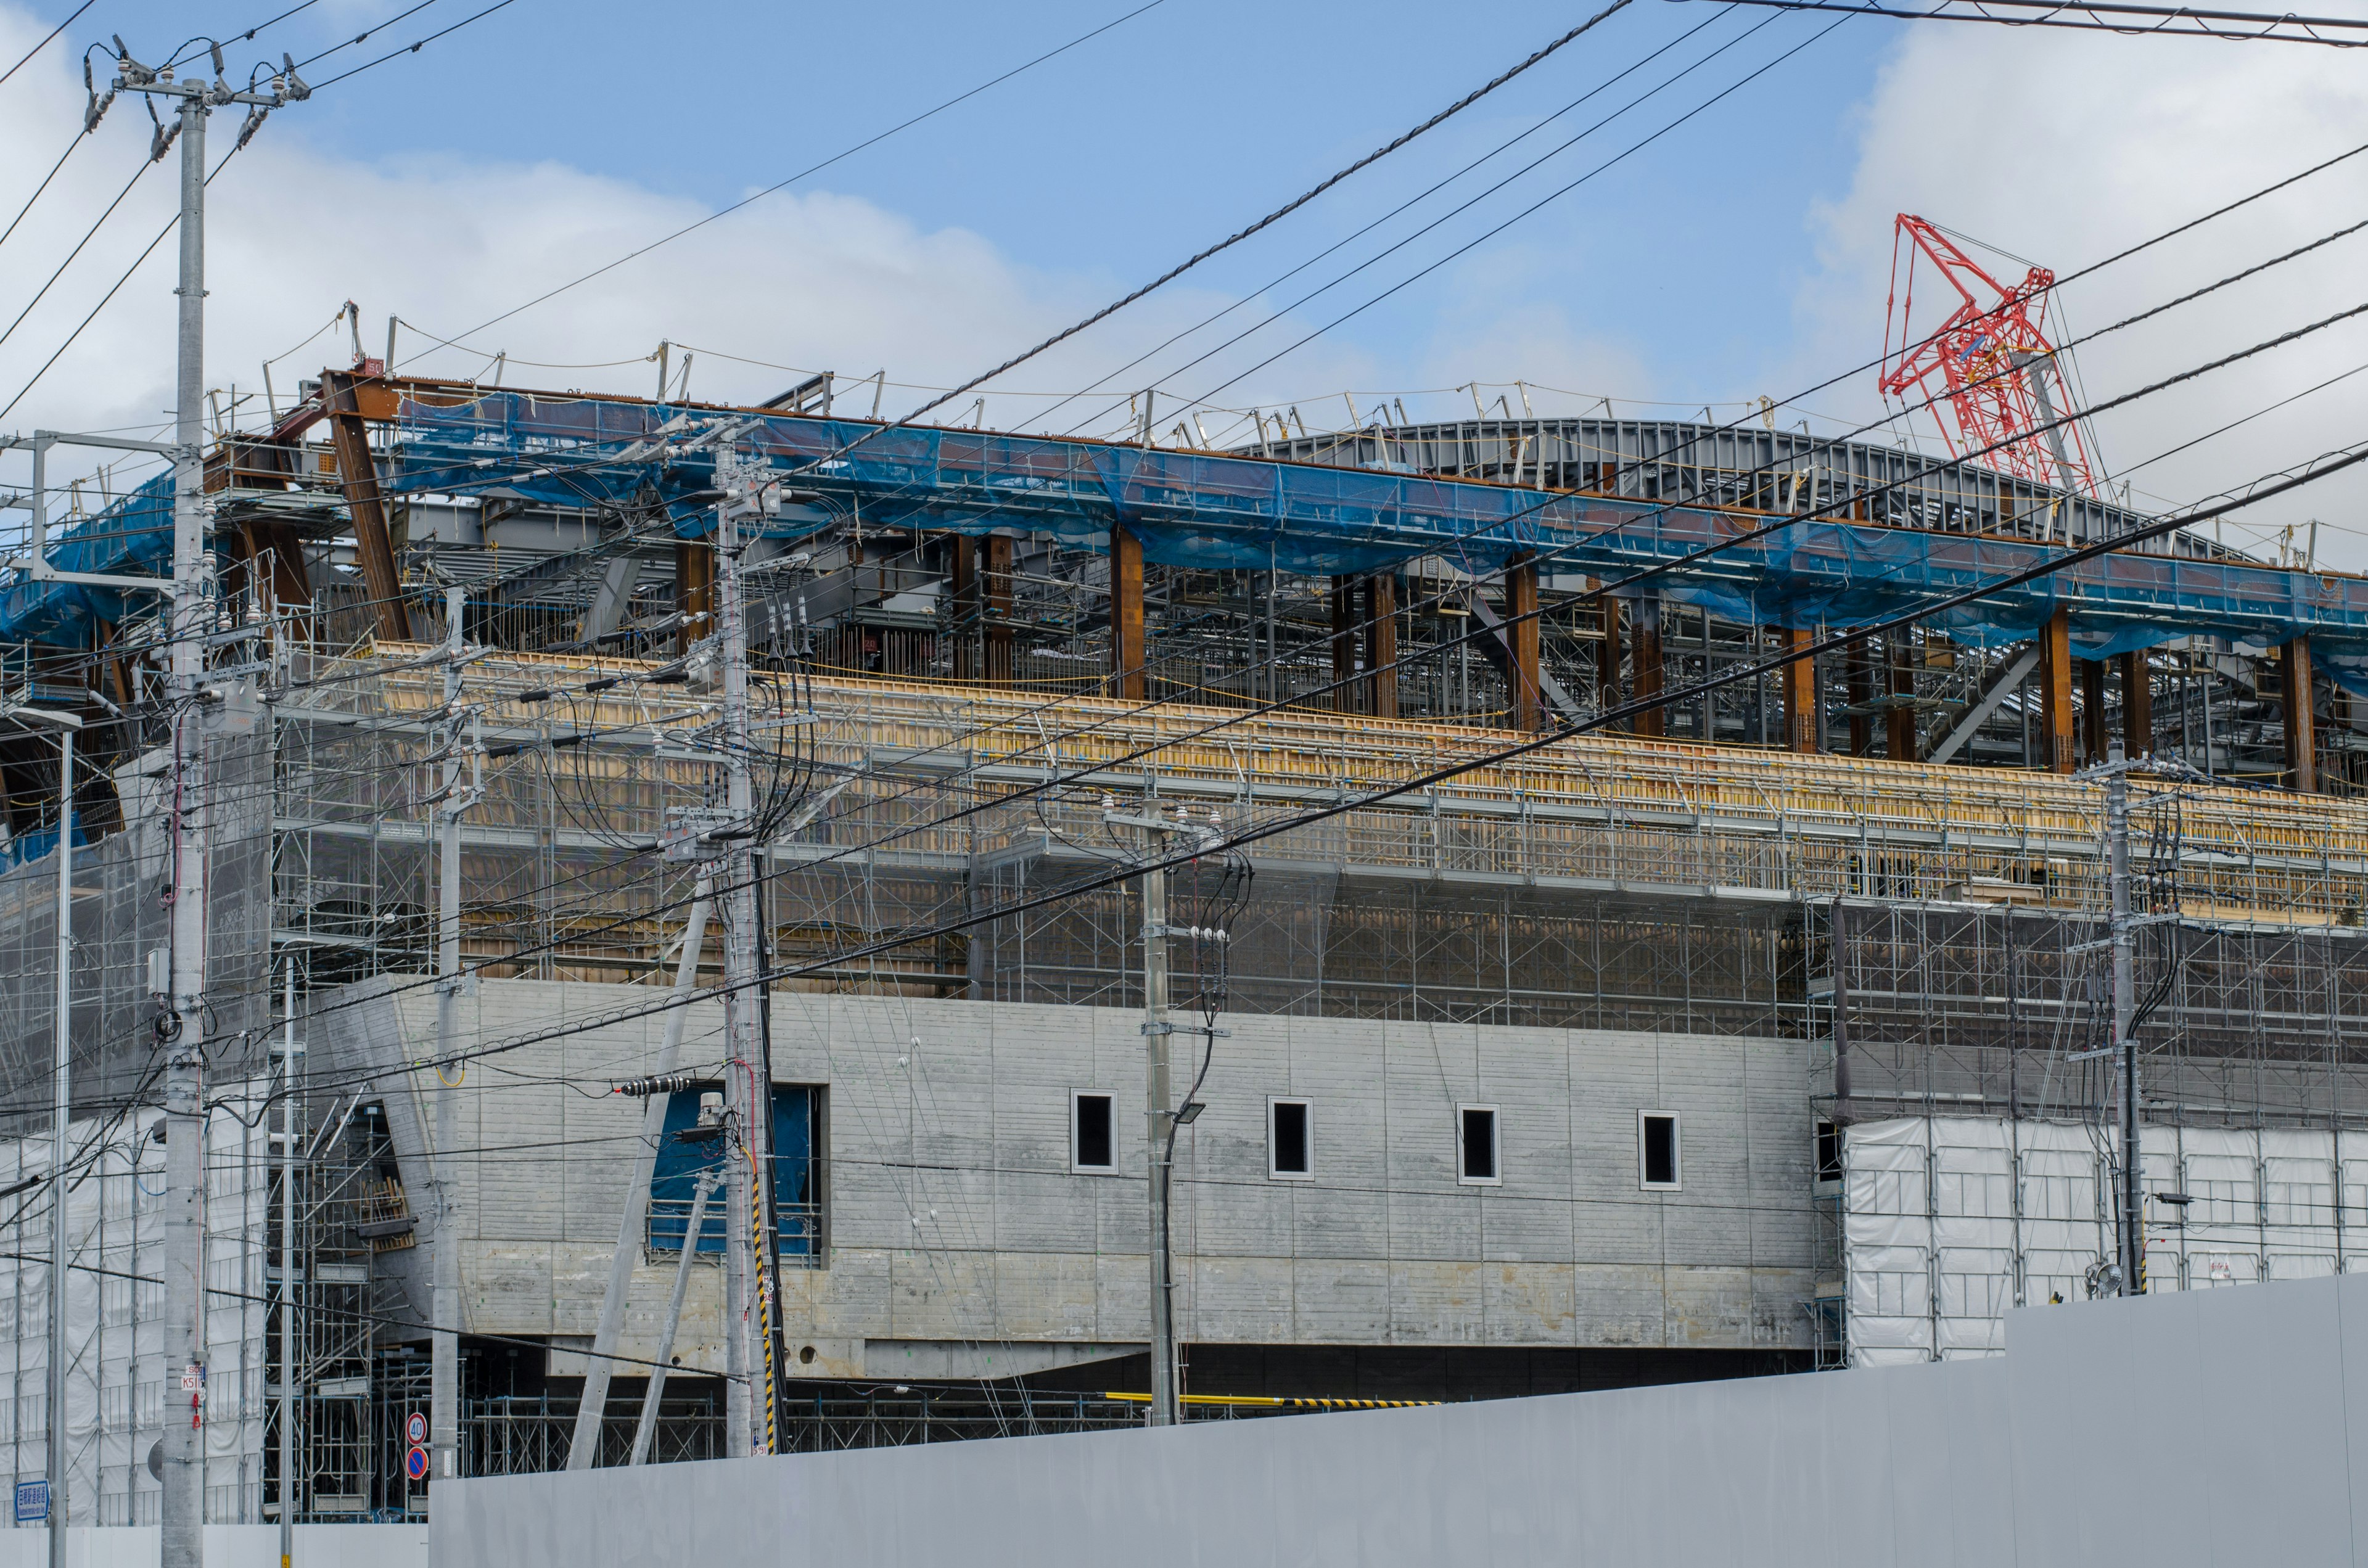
<point x="812" y="279"/>
<point x="2066" y="148"/>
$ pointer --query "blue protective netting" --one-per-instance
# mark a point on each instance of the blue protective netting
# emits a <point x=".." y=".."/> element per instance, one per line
<point x="1200" y="509"/>
<point x="132" y="536"/>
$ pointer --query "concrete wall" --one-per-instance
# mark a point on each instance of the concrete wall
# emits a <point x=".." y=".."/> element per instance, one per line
<point x="2201" y="1429"/>
<point x="956" y="1225"/>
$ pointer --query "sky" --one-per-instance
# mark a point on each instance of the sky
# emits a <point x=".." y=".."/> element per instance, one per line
<point x="1692" y="205"/>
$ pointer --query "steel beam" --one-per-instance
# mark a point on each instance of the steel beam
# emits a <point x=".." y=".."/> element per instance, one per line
<point x="1126" y="646"/>
<point x="2056" y="745"/>
<point x="2301" y="721"/>
<point x="365" y="502"/>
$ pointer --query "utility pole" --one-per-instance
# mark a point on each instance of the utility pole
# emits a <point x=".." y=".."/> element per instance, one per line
<point x="180" y="1024"/>
<point x="61" y="1104"/>
<point x="748" y="1334"/>
<point x="444" y="1340"/>
<point x="1158" y="1107"/>
<point x="1160" y="1115"/>
<point x="2124" y="1039"/>
<point x="289" y="1052"/>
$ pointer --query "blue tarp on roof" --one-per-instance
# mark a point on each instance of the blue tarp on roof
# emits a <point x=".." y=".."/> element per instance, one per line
<point x="1214" y="510"/>
<point x="132" y="536"/>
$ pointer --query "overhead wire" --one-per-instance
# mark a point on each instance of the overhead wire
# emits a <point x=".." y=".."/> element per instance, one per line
<point x="2170" y="21"/>
<point x="1674" y="564"/>
<point x="2266" y="488"/>
<point x="46" y="39"/>
<point x="1260" y="224"/>
<point x="812" y="169"/>
<point x="2348" y="155"/>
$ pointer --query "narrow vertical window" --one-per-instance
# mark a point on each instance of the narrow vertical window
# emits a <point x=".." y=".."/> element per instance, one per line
<point x="1476" y="1164"/>
<point x="1657" y="1149"/>
<point x="1290" y="1143"/>
<point x="1829" y="1152"/>
<point x="1091" y="1144"/>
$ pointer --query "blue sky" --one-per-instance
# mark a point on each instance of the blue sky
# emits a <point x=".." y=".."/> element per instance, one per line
<point x="1744" y="252"/>
<point x="1134" y="148"/>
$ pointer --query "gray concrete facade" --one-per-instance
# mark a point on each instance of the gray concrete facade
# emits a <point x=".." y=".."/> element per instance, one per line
<point x="959" y="1241"/>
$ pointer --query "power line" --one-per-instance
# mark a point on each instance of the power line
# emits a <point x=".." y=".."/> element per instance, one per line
<point x="52" y="33"/>
<point x="175" y="218"/>
<point x="415" y="47"/>
<point x="811" y="169"/>
<point x="1288" y="208"/>
<point x="2165" y="21"/>
<point x="145" y="164"/>
<point x="1551" y="499"/>
<point x="1553" y="195"/>
<point x="2267" y="488"/>
<point x="1648" y="574"/>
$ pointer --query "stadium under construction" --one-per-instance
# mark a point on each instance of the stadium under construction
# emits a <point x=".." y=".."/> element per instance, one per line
<point x="1583" y="965"/>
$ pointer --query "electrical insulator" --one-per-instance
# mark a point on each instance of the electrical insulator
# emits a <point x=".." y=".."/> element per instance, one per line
<point x="667" y="1083"/>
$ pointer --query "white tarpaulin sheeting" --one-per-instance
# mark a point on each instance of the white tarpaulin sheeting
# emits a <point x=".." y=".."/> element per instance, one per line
<point x="1949" y="1222"/>
<point x="119" y="1392"/>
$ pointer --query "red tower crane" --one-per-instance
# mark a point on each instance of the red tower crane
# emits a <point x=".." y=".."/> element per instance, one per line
<point x="1992" y="379"/>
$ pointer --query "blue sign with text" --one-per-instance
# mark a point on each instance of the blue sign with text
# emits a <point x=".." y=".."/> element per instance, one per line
<point x="32" y="1502"/>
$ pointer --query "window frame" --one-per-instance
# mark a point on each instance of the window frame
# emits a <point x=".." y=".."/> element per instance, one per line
<point x="1308" y="1134"/>
<point x="1496" y="1147"/>
<point x="1676" y="1152"/>
<point x="1077" y="1153"/>
<point x="1825" y="1134"/>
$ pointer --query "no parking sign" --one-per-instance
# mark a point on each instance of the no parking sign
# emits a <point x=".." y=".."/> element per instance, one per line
<point x="415" y="1463"/>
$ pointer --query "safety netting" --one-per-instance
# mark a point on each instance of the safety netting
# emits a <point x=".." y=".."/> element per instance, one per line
<point x="1216" y="510"/>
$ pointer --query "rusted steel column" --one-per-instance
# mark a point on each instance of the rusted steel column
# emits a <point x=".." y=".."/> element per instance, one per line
<point x="694" y="590"/>
<point x="2055" y="749"/>
<point x="1799" y="685"/>
<point x="1857" y="695"/>
<point x="1899" y="719"/>
<point x="2302" y="723"/>
<point x="1343" y="600"/>
<point x="1644" y="657"/>
<point x="2138" y="705"/>
<point x="995" y="568"/>
<point x="1126" y="647"/>
<point x="1382" y="644"/>
<point x="2092" y="707"/>
<point x="366" y="504"/>
<point x="1521" y="637"/>
<point x="962" y="557"/>
<point x="1601" y="617"/>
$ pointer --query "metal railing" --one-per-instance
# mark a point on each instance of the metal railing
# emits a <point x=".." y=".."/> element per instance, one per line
<point x="798" y="1227"/>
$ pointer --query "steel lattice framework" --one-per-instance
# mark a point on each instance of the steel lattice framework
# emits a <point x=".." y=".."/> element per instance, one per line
<point x="1987" y="364"/>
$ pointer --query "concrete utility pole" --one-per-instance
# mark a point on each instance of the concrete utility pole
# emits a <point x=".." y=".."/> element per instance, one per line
<point x="1158" y="1097"/>
<point x="180" y="1025"/>
<point x="444" y="1341"/>
<point x="1160" y="1115"/>
<point x="290" y="1052"/>
<point x="2124" y="1036"/>
<point x="748" y="1098"/>
<point x="62" y="1107"/>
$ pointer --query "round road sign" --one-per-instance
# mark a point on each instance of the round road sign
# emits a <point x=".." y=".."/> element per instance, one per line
<point x="415" y="1427"/>
<point x="415" y="1463"/>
